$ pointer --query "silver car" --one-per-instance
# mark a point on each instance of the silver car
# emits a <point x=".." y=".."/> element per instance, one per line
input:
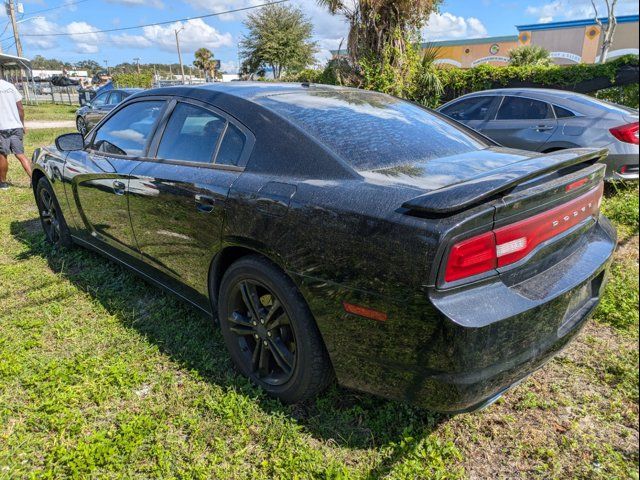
<point x="549" y="120"/>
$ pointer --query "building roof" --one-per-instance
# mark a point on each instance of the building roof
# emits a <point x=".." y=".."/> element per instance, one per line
<point x="471" y="41"/>
<point x="452" y="43"/>
<point x="11" y="61"/>
<point x="574" y="23"/>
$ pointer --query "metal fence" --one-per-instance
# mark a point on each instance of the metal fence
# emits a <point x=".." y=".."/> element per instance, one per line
<point x="45" y="92"/>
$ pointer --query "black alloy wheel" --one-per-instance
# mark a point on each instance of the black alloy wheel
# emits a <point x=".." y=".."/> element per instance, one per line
<point x="263" y="331"/>
<point x="51" y="218"/>
<point x="269" y="331"/>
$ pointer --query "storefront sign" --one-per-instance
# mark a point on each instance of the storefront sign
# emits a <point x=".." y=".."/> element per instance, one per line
<point x="492" y="58"/>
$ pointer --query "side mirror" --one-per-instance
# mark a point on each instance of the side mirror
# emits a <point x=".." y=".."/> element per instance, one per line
<point x="70" y="142"/>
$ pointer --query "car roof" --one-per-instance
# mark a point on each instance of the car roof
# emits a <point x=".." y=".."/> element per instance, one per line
<point x="129" y="90"/>
<point x="249" y="91"/>
<point x="542" y="93"/>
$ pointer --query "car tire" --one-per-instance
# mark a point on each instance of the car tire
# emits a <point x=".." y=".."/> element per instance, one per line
<point x="51" y="217"/>
<point x="270" y="333"/>
<point x="81" y="125"/>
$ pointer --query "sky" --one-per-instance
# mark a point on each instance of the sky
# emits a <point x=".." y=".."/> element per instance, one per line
<point x="456" y="19"/>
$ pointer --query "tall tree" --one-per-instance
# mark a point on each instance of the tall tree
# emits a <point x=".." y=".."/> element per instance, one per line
<point x="278" y="37"/>
<point x="609" y="29"/>
<point x="205" y="61"/>
<point x="376" y="25"/>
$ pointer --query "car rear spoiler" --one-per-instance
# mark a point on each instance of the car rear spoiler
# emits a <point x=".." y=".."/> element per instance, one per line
<point x="462" y="195"/>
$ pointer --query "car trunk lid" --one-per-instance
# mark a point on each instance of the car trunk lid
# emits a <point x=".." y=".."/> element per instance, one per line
<point x="524" y="174"/>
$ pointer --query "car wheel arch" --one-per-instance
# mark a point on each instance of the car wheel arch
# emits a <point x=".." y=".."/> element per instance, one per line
<point x="227" y="257"/>
<point x="36" y="175"/>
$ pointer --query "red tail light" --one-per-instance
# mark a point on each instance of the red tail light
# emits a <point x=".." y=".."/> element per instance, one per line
<point x="627" y="133"/>
<point x="512" y="243"/>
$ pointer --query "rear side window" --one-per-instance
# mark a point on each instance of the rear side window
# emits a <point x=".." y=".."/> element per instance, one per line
<point x="372" y="131"/>
<point x="470" y="109"/>
<point x="191" y="135"/>
<point x="516" y="108"/>
<point x="128" y="131"/>
<point x="563" y="112"/>
<point x="232" y="147"/>
<point x="115" y="98"/>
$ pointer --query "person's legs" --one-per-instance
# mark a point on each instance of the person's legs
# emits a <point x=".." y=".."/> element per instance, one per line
<point x="17" y="147"/>
<point x="5" y="148"/>
<point x="4" y="168"/>
<point x="26" y="164"/>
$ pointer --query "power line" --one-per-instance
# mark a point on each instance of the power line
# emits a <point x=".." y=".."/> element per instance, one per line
<point x="64" y="5"/>
<point x="92" y="32"/>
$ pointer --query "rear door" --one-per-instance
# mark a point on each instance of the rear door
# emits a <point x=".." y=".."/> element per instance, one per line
<point x="99" y="175"/>
<point x="473" y="112"/>
<point x="177" y="200"/>
<point x="522" y="123"/>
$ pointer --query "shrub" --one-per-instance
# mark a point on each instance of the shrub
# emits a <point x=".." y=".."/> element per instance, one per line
<point x="133" y="80"/>
<point x="527" y="55"/>
<point x="627" y="95"/>
<point x="415" y="81"/>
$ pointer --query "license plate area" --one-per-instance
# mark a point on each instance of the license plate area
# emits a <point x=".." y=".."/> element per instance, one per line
<point x="580" y="304"/>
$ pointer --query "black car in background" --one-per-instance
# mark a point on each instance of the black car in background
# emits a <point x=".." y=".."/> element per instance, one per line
<point x="338" y="232"/>
<point x="89" y="115"/>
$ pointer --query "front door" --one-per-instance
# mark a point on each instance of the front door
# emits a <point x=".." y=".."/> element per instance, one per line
<point x="522" y="123"/>
<point x="99" y="176"/>
<point x="177" y="202"/>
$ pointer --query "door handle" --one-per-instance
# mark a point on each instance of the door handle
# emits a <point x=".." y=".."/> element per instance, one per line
<point x="119" y="188"/>
<point x="206" y="204"/>
<point x="543" y="128"/>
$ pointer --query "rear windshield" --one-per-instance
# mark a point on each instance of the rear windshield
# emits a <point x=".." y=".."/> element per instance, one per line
<point x="596" y="102"/>
<point x="371" y="131"/>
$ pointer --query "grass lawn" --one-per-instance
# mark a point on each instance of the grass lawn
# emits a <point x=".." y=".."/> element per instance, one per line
<point x="50" y="112"/>
<point x="103" y="375"/>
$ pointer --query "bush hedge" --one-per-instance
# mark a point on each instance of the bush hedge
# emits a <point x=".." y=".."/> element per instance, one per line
<point x="132" y="80"/>
<point x="619" y="77"/>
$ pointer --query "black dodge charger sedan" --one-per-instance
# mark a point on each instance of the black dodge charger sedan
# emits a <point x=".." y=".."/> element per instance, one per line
<point x="339" y="232"/>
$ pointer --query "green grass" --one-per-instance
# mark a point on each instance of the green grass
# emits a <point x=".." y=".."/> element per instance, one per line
<point x="104" y="376"/>
<point x="50" y="112"/>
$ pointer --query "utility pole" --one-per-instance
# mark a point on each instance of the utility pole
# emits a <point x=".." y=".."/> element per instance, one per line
<point x="11" y="11"/>
<point x="180" y="53"/>
<point x="137" y="60"/>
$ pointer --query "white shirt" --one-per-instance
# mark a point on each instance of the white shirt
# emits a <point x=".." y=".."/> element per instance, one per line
<point x="9" y="116"/>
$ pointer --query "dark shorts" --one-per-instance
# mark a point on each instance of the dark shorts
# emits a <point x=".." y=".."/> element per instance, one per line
<point x="11" y="141"/>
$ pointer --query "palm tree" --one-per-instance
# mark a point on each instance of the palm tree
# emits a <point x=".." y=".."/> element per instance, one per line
<point x="205" y="62"/>
<point x="429" y="88"/>
<point x="528" y="55"/>
<point x="378" y="24"/>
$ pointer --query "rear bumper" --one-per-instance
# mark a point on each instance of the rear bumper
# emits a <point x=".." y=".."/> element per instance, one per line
<point x="622" y="166"/>
<point x="458" y="351"/>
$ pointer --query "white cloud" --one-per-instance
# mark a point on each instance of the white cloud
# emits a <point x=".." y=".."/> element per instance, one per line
<point x="196" y="34"/>
<point x="446" y="26"/>
<point x="577" y="9"/>
<point x="85" y="42"/>
<point x="135" y="3"/>
<point x="41" y="25"/>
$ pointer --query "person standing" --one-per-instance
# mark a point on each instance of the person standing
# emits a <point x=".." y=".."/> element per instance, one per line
<point x="12" y="131"/>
